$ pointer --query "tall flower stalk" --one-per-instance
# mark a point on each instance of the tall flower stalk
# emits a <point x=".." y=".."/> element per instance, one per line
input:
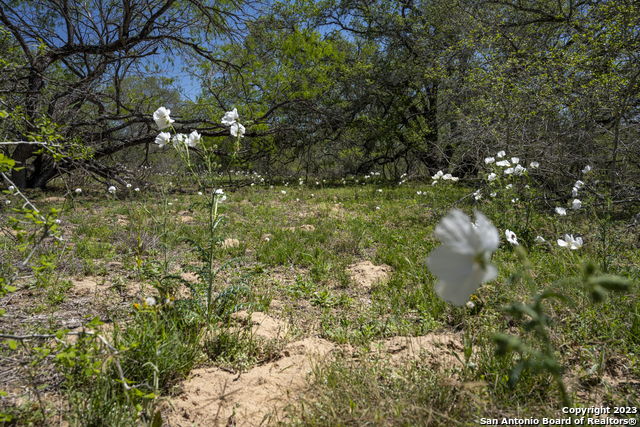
<point x="184" y="145"/>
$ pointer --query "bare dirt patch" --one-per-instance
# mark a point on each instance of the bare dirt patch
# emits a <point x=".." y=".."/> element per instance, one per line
<point x="92" y="286"/>
<point x="213" y="397"/>
<point x="440" y="351"/>
<point x="230" y="243"/>
<point x="122" y="220"/>
<point x="338" y="211"/>
<point x="263" y="325"/>
<point x="367" y="274"/>
<point x="304" y="227"/>
<point x="185" y="217"/>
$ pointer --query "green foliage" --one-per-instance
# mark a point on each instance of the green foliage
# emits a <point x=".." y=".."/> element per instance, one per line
<point x="541" y="356"/>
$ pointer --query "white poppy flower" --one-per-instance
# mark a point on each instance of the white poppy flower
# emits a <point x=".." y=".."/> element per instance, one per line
<point x="162" y="139"/>
<point x="579" y="184"/>
<point x="586" y="169"/>
<point x="515" y="160"/>
<point x="230" y="117"/>
<point x="501" y="154"/>
<point x="78" y="190"/>
<point x="494" y="194"/>
<point x="128" y="185"/>
<point x="509" y="171"/>
<point x="150" y="301"/>
<point x="576" y="204"/>
<point x="462" y="263"/>
<point x="570" y="242"/>
<point x="470" y="305"/>
<point x="492" y="176"/>
<point x="503" y="163"/>
<point x="477" y="195"/>
<point x="136" y="189"/>
<point x="519" y="170"/>
<point x="283" y="192"/>
<point x="539" y="239"/>
<point x="438" y="175"/>
<point x="162" y="118"/>
<point x="219" y="192"/>
<point x="574" y="192"/>
<point x="534" y="165"/>
<point x="455" y="179"/>
<point x="237" y="130"/>
<point x="511" y="237"/>
<point x="489" y="160"/>
<point x="112" y="189"/>
<point x="561" y="211"/>
<point x="194" y="139"/>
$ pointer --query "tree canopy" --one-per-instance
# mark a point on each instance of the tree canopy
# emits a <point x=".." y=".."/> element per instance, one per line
<point x="333" y="87"/>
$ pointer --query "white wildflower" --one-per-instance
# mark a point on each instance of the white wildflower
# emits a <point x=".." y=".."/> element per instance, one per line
<point x="162" y="139"/>
<point x="162" y="118"/>
<point x="462" y="262"/>
<point x="570" y="242"/>
<point x="576" y="204"/>
<point x="511" y="237"/>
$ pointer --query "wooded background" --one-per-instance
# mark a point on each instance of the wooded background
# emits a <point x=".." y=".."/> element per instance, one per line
<point x="326" y="88"/>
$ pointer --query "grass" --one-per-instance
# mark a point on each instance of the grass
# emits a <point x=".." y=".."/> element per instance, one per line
<point x="299" y="273"/>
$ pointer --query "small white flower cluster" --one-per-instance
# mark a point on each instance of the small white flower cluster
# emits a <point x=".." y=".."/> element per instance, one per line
<point x="512" y="166"/>
<point x="569" y="240"/>
<point x="163" y="120"/>
<point x="443" y="176"/>
<point x="371" y="175"/>
<point x="219" y="195"/>
<point x="575" y="203"/>
<point x="230" y="119"/>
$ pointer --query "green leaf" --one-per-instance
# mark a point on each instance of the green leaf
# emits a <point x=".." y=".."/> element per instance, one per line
<point x="611" y="282"/>
<point x="6" y="163"/>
